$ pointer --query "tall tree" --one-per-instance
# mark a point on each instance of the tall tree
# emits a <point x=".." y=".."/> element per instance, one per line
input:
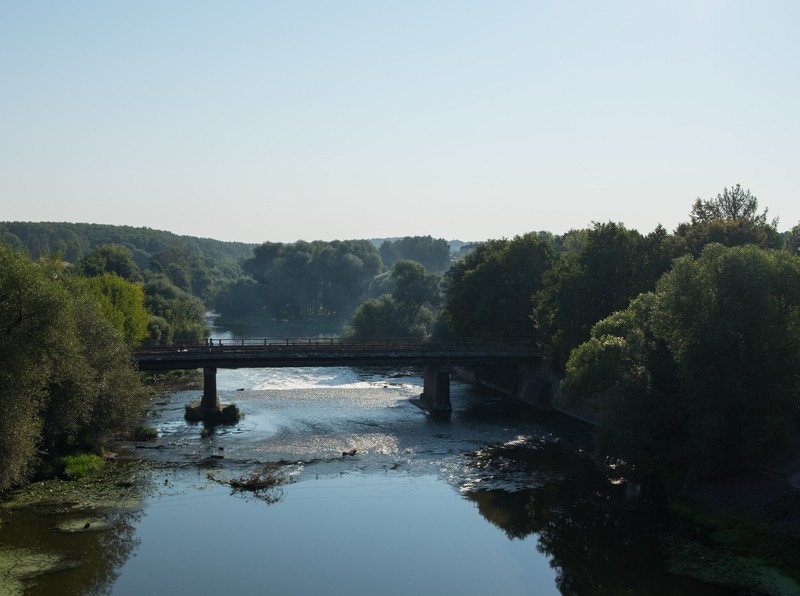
<point x="734" y="204"/>
<point x="610" y="266"/>
<point x="183" y="313"/>
<point x="67" y="379"/>
<point x="406" y="311"/>
<point x="703" y="375"/>
<point x="123" y="305"/>
<point x="109" y="258"/>
<point x="732" y="218"/>
<point x="488" y="294"/>
<point x="433" y="254"/>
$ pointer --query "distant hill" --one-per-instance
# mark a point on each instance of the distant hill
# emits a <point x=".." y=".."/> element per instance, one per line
<point x="71" y="241"/>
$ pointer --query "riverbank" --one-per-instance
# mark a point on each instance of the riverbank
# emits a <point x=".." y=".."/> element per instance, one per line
<point x="64" y="536"/>
<point x="747" y="526"/>
<point x="756" y="512"/>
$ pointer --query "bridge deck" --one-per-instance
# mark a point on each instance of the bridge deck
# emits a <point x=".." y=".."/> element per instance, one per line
<point x="265" y="353"/>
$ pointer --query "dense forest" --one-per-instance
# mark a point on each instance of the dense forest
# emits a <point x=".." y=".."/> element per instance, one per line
<point x="684" y="346"/>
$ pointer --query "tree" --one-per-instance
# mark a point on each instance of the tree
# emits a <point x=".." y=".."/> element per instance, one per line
<point x="123" y="305"/>
<point x="109" y="258"/>
<point x="33" y="324"/>
<point x="703" y="375"/>
<point x="609" y="266"/>
<point x="184" y="313"/>
<point x="67" y="379"/>
<point x="488" y="294"/>
<point x="245" y="297"/>
<point x="377" y="317"/>
<point x="414" y="287"/>
<point x="791" y="240"/>
<point x="306" y="279"/>
<point x="433" y="254"/>
<point x="735" y="204"/>
<point x="731" y="218"/>
<point x="405" y="312"/>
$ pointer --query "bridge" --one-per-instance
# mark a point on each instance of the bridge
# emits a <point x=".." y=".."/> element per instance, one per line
<point x="437" y="358"/>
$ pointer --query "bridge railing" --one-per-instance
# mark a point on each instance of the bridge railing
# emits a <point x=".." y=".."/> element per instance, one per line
<point x="341" y="344"/>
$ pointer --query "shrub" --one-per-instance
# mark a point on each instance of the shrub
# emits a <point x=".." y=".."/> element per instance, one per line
<point x="78" y="466"/>
<point x="145" y="433"/>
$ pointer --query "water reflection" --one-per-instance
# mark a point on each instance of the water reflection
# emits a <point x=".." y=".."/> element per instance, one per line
<point x="602" y="538"/>
<point x="114" y="548"/>
<point x="73" y="546"/>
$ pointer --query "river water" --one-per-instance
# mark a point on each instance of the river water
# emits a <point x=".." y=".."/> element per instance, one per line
<point x="375" y="497"/>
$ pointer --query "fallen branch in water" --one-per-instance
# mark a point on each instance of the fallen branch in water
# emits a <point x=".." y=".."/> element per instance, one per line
<point x="261" y="483"/>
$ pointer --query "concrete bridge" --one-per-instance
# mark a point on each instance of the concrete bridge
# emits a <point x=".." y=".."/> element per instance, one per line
<point x="437" y="358"/>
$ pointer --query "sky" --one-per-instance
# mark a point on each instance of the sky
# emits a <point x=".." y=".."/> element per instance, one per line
<point x="319" y="120"/>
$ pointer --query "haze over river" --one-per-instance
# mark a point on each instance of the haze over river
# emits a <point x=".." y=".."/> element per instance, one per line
<point x="498" y="499"/>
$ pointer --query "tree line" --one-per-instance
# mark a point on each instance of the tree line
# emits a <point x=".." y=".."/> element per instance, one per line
<point x="69" y="382"/>
<point x="307" y="281"/>
<point x="684" y="346"/>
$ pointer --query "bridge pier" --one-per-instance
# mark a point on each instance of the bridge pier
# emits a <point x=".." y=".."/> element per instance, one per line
<point x="210" y="400"/>
<point x="435" y="396"/>
<point x="209" y="409"/>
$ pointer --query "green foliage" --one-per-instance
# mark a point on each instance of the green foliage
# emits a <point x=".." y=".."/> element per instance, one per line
<point x="703" y="375"/>
<point x="693" y="238"/>
<point x="159" y="331"/>
<point x="188" y="269"/>
<point x="414" y="287"/>
<point x="122" y="303"/>
<point x="199" y="265"/>
<point x="731" y="218"/>
<point x="735" y="204"/>
<point x="609" y="266"/>
<point x="145" y="433"/>
<point x="66" y="377"/>
<point x="488" y="294"/>
<point x="73" y="241"/>
<point x="32" y="325"/>
<point x="433" y="254"/>
<point x="244" y="298"/>
<point x="109" y="258"/>
<point x="405" y="312"/>
<point x="305" y="279"/>
<point x="791" y="240"/>
<point x="183" y="313"/>
<point x="78" y="466"/>
<point x="377" y="317"/>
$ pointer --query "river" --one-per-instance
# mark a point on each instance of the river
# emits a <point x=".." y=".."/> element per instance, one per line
<point x="375" y="497"/>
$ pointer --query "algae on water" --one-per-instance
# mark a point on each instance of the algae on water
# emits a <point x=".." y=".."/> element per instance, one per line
<point x="19" y="566"/>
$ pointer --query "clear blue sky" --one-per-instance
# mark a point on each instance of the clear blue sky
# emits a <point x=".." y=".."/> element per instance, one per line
<point x="258" y="120"/>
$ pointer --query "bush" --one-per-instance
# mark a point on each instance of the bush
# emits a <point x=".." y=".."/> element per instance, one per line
<point x="145" y="433"/>
<point x="74" y="467"/>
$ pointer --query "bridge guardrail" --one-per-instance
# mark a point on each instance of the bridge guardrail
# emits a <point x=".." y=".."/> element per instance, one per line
<point x="336" y="344"/>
